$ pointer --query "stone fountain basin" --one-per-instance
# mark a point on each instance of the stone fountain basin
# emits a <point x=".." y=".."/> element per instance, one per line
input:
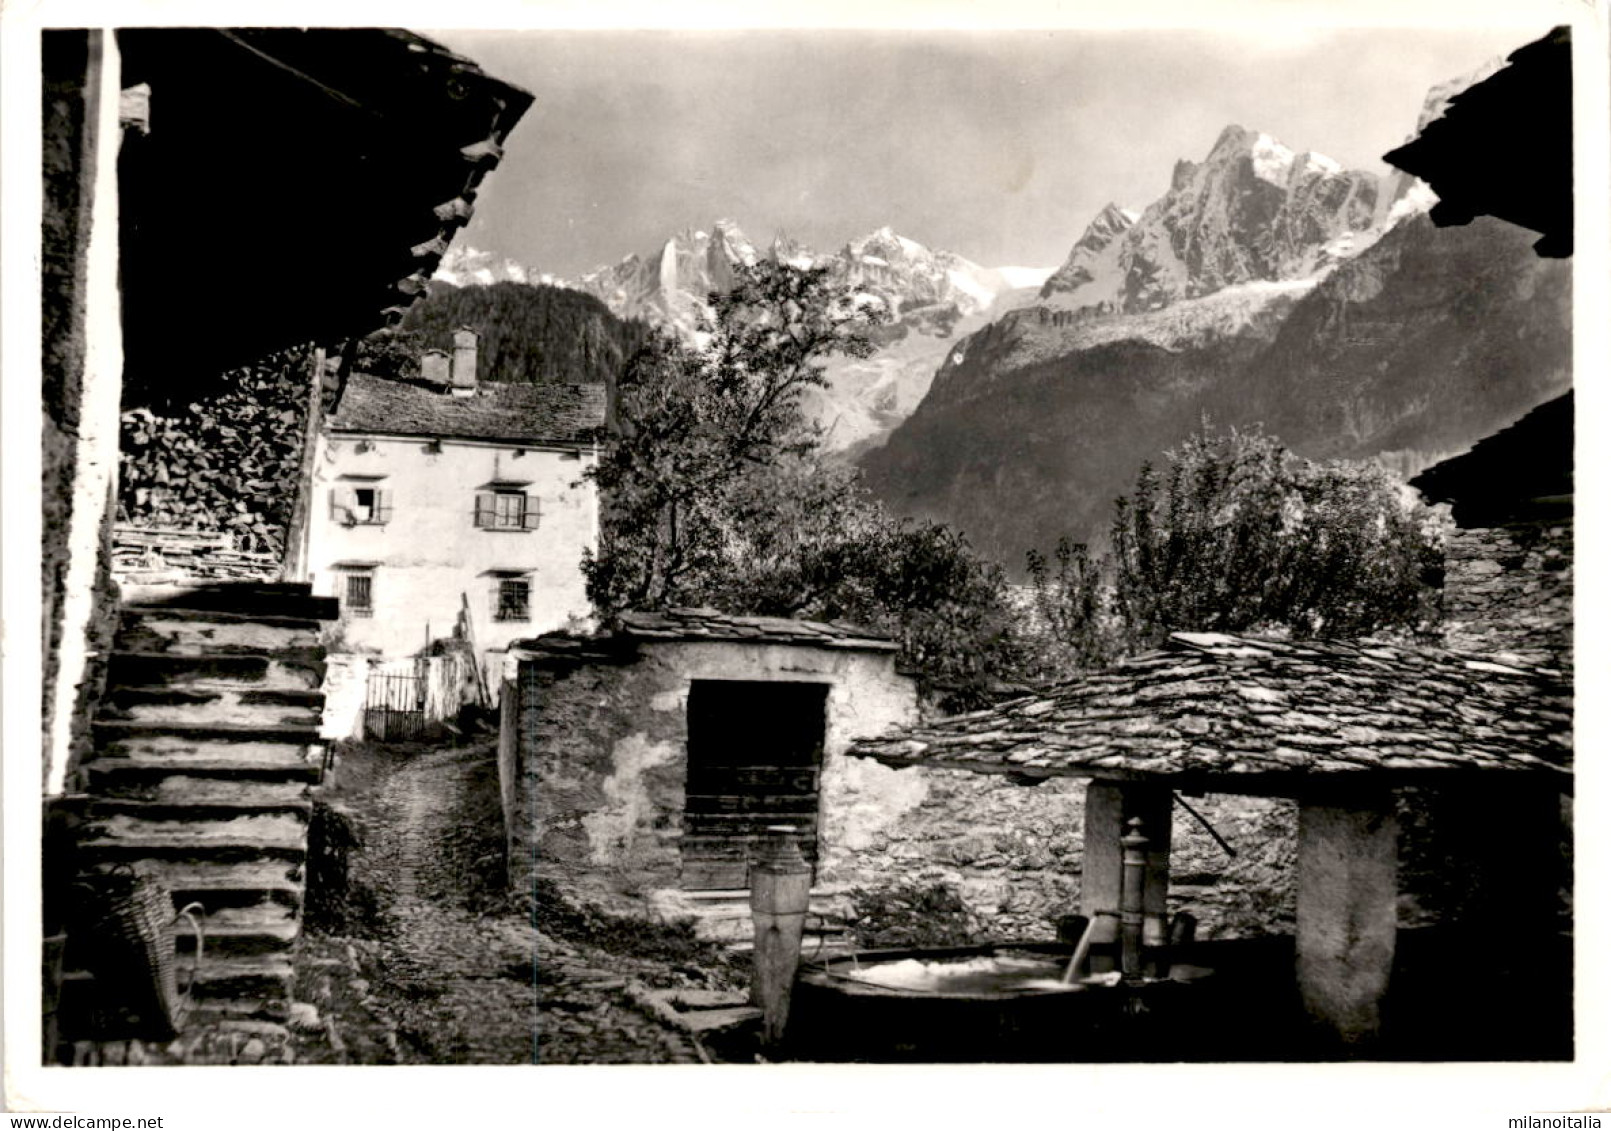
<point x="1001" y="1002"/>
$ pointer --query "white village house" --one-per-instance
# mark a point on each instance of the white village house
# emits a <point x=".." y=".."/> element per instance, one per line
<point x="434" y="497"/>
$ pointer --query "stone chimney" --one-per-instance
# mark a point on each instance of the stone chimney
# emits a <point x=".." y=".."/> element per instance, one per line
<point x="463" y="362"/>
<point x="434" y="368"/>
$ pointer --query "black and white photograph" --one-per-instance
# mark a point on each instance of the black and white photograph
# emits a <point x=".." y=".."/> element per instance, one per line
<point x="894" y="543"/>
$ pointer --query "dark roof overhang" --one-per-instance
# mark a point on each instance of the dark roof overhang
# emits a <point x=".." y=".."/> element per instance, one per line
<point x="1503" y="147"/>
<point x="1519" y="474"/>
<point x="296" y="185"/>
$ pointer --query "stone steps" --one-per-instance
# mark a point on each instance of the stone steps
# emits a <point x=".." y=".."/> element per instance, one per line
<point x="206" y="745"/>
<point x="112" y="776"/>
<point x="244" y="839"/>
<point x="289" y="670"/>
<point x="236" y="706"/>
<point x="114" y="735"/>
<point x="194" y="632"/>
<point x="218" y="885"/>
<point x="182" y="793"/>
<point x="255" y="985"/>
<point x="237" y="932"/>
<point x="277" y="599"/>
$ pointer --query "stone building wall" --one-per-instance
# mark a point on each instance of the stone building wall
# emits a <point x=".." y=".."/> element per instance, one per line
<point x="593" y="754"/>
<point x="592" y="763"/>
<point x="1014" y="854"/>
<point x="430" y="557"/>
<point x="81" y="367"/>
<point x="1509" y="589"/>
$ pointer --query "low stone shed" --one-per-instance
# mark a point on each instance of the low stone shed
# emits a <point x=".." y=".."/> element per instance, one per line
<point x="648" y="757"/>
<point x="1342" y="728"/>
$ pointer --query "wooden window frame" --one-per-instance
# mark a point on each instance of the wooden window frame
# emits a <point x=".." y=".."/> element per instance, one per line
<point x="344" y="505"/>
<point x="492" y="512"/>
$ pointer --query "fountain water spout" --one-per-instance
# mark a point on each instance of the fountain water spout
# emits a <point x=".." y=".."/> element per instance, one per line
<point x="1131" y="918"/>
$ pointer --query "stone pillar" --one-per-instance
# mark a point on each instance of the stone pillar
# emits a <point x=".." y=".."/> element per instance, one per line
<point x="780" y="893"/>
<point x="1108" y="807"/>
<point x="1347" y="911"/>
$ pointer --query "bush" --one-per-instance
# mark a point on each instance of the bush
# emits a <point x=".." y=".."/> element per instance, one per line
<point x="334" y="905"/>
<point x="1244" y="535"/>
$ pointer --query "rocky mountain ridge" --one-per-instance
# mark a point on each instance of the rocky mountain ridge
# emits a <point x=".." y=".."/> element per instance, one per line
<point x="935" y="296"/>
<point x="1407" y="353"/>
<point x="1267" y="286"/>
<point x="1252" y="211"/>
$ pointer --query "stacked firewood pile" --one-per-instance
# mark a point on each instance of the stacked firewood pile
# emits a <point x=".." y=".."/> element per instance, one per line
<point x="150" y="555"/>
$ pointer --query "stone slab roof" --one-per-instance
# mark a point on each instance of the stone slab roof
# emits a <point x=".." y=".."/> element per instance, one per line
<point x="708" y="624"/>
<point x="1223" y="711"/>
<point x="547" y="413"/>
<point x="704" y="624"/>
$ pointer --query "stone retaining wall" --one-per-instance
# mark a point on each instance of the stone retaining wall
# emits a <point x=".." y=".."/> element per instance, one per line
<point x="1509" y="589"/>
<point x="1014" y="854"/>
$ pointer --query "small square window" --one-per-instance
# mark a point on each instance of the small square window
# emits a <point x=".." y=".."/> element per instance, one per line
<point x="512" y="599"/>
<point x="360" y="596"/>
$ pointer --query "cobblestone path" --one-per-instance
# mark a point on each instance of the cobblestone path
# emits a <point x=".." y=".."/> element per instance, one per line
<point x="442" y="984"/>
<point x="459" y="985"/>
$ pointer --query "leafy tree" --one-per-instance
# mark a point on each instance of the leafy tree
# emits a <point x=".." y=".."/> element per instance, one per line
<point x="1071" y="611"/>
<point x="716" y="492"/>
<point x="390" y="353"/>
<point x="1245" y="535"/>
<point x="697" y="423"/>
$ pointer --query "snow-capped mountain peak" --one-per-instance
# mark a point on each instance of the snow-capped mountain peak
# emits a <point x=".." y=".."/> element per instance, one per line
<point x="1253" y="210"/>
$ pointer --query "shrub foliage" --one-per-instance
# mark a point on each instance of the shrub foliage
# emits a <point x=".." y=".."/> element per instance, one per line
<point x="1241" y="535"/>
<point x="717" y="493"/>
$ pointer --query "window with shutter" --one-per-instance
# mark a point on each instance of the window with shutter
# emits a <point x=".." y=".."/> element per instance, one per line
<point x="342" y="503"/>
<point x="505" y="510"/>
<point x="360" y="506"/>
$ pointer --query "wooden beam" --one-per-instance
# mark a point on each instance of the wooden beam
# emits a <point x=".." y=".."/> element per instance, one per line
<point x="295" y="565"/>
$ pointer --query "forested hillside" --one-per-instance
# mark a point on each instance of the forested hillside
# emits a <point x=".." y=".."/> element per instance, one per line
<point x="529" y="334"/>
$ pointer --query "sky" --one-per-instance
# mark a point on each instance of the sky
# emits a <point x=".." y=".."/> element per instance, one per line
<point x="999" y="146"/>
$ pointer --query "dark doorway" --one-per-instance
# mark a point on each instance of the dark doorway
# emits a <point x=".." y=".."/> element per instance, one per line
<point x="754" y="757"/>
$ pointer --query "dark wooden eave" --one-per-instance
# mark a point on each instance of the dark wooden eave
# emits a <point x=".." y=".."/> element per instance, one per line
<point x="296" y="185"/>
<point x="1522" y="473"/>
<point x="1503" y="147"/>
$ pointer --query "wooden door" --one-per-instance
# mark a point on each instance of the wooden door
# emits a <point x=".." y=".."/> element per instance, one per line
<point x="754" y="761"/>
